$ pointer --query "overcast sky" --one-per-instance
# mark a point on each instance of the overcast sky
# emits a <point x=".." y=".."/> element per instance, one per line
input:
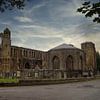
<point x="44" y="24"/>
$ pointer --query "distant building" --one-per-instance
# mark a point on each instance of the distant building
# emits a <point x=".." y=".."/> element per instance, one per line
<point x="64" y="57"/>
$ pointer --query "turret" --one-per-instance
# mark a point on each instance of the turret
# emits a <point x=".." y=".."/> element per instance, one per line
<point x="7" y="33"/>
<point x="6" y="49"/>
<point x="89" y="49"/>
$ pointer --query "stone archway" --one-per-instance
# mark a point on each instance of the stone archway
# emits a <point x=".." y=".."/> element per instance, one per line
<point x="27" y="65"/>
<point x="69" y="63"/>
<point x="56" y="62"/>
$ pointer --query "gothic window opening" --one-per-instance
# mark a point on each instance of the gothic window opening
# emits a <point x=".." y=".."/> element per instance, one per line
<point x="69" y="63"/>
<point x="27" y="66"/>
<point x="56" y="62"/>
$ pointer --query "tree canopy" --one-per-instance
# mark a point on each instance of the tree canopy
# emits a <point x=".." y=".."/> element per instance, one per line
<point x="11" y="4"/>
<point x="90" y="9"/>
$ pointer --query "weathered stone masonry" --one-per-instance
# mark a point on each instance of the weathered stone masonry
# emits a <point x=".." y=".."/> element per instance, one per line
<point x="64" y="57"/>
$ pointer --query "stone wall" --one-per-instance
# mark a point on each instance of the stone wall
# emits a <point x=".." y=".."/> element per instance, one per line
<point x="63" y="55"/>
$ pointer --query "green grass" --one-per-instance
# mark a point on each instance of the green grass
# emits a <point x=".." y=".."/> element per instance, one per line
<point x="9" y="80"/>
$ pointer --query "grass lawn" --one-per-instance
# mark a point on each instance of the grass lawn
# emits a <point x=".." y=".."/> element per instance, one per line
<point x="9" y="80"/>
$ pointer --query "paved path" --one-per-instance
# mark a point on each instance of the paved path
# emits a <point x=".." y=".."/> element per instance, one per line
<point x="72" y="91"/>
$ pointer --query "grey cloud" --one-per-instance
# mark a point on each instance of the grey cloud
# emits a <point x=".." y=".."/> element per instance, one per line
<point x="89" y="28"/>
<point x="43" y="43"/>
<point x="36" y="42"/>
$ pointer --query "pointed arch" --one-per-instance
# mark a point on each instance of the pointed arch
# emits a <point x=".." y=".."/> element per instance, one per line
<point x="27" y="65"/>
<point x="56" y="62"/>
<point x="69" y="63"/>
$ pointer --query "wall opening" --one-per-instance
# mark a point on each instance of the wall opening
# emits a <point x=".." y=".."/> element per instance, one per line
<point x="27" y="66"/>
<point x="56" y="62"/>
<point x="69" y="63"/>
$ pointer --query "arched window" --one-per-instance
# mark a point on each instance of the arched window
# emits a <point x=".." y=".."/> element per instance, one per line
<point x="56" y="62"/>
<point x="69" y="63"/>
<point x="27" y="66"/>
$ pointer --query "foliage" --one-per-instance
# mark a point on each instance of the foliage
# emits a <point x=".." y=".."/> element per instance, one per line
<point x="98" y="61"/>
<point x="91" y="10"/>
<point x="8" y="80"/>
<point x="11" y="4"/>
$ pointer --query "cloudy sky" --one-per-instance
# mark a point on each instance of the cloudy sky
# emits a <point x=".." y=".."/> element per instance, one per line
<point x="44" y="24"/>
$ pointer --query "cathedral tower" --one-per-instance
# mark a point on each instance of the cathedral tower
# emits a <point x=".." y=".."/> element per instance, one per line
<point x="6" y="50"/>
<point x="89" y="49"/>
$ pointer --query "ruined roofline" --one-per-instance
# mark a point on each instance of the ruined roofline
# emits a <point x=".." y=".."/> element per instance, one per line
<point x="12" y="46"/>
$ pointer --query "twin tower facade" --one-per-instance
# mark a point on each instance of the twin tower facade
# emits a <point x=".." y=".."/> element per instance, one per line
<point x="63" y="57"/>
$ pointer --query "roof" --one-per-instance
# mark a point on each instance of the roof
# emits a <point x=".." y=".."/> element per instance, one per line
<point x="64" y="46"/>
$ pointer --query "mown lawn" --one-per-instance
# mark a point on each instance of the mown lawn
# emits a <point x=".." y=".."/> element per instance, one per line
<point x="9" y="80"/>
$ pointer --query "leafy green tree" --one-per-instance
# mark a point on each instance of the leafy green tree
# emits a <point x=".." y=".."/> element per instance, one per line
<point x="11" y="4"/>
<point x="90" y="9"/>
<point x="98" y="61"/>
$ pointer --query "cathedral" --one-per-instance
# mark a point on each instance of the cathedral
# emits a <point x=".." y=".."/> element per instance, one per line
<point x="65" y="58"/>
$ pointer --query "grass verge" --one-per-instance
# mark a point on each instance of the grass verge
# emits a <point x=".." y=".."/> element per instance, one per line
<point x="9" y="80"/>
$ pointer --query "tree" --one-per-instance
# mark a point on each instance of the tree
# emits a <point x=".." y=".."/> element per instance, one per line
<point x="98" y="61"/>
<point x="11" y="4"/>
<point x="90" y="9"/>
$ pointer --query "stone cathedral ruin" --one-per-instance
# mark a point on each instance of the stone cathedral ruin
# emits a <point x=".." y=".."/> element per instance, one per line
<point x="63" y="61"/>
